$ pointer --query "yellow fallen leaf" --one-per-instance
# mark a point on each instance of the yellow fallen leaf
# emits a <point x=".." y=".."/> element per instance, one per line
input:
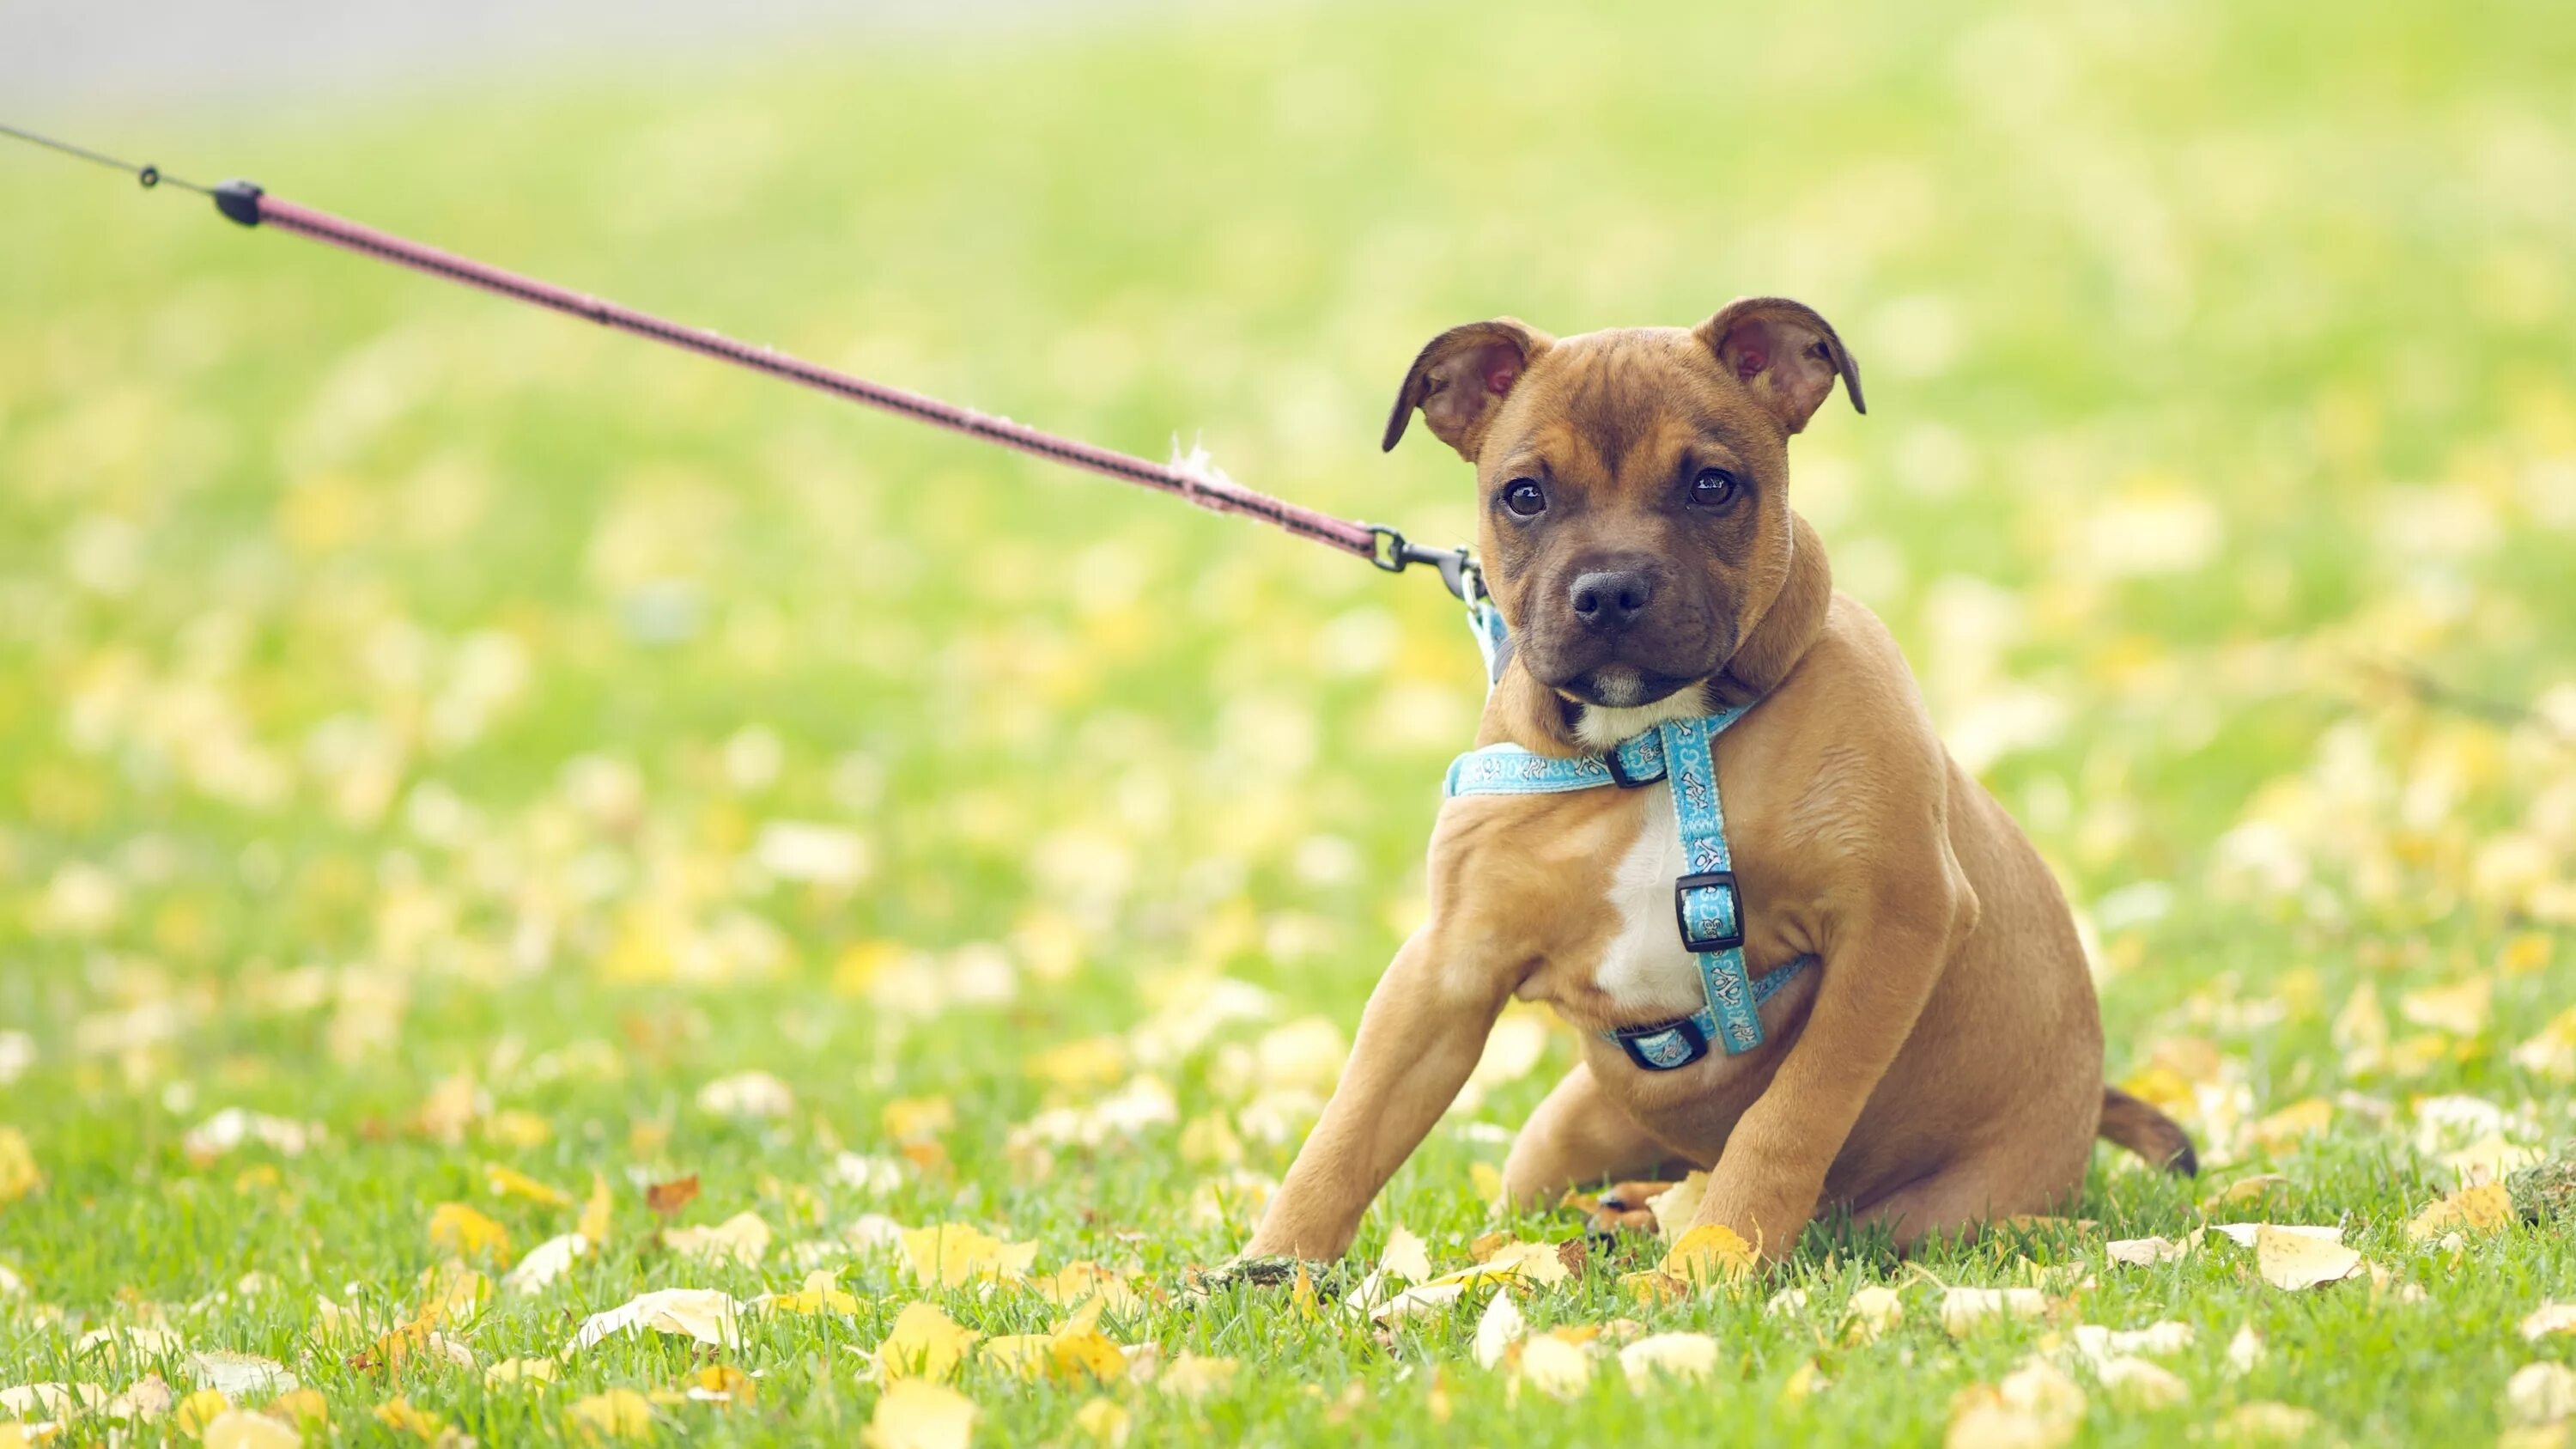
<point x="18" y="1174"/>
<point x="2285" y="1129"/>
<point x="922" y="1343"/>
<point x="2293" y="1261"/>
<point x="2491" y="1158"/>
<point x="1709" y="1253"/>
<point x="1405" y="1256"/>
<point x="1677" y="1205"/>
<point x="595" y="1212"/>
<point x="952" y="1255"/>
<point x="2267" y="1420"/>
<point x="2035" y="1407"/>
<point x="467" y="1233"/>
<point x="746" y="1095"/>
<point x="399" y="1415"/>
<point x="1081" y="1281"/>
<point x="545" y="1263"/>
<point x="1194" y="1377"/>
<point x="511" y="1182"/>
<point x="1964" y="1310"/>
<point x="743" y="1238"/>
<point x="2145" y="1252"/>
<point x="2245" y="1190"/>
<point x="2133" y="1383"/>
<point x="1556" y="1366"/>
<point x="821" y="1293"/>
<point x="2547" y="1319"/>
<point x="2461" y="1009"/>
<point x="911" y="1119"/>
<point x="306" y="1409"/>
<point x="522" y="1371"/>
<point x="1487" y="1181"/>
<point x="1073" y="1352"/>
<point x="197" y="1410"/>
<point x="1104" y="1420"/>
<point x="705" y="1314"/>
<point x="1804" y="1382"/>
<point x="518" y="1129"/>
<point x="722" y="1384"/>
<point x="1501" y="1326"/>
<point x="614" y="1414"/>
<point x="917" y="1414"/>
<point x="2481" y="1209"/>
<point x="241" y="1376"/>
<point x="1689" y="1357"/>
<point x="242" y="1429"/>
<point x="2540" y="1393"/>
<point x="1538" y="1263"/>
<point x="1870" y="1312"/>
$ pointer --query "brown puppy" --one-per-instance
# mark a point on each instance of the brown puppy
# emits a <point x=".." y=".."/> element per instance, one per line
<point x="1944" y="1066"/>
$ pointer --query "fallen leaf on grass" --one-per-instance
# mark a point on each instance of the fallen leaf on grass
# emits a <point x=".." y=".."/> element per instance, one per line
<point x="2491" y="1158"/>
<point x="2480" y="1209"/>
<point x="1104" y="1420"/>
<point x="52" y="1400"/>
<point x="2244" y="1351"/>
<point x="1709" y="1253"/>
<point x="705" y="1314"/>
<point x="952" y="1255"/>
<point x="2145" y="1252"/>
<point x="18" y="1174"/>
<point x="242" y="1429"/>
<point x="1501" y="1326"/>
<point x="1677" y="1205"/>
<point x="614" y="1414"/>
<point x="522" y="1371"/>
<point x="2034" y="1407"/>
<point x="507" y="1182"/>
<point x="191" y="1415"/>
<point x="922" y="1343"/>
<point x="667" y="1198"/>
<point x="2243" y="1234"/>
<point x="400" y="1415"/>
<point x="241" y="1375"/>
<point x="129" y="1341"/>
<point x="743" y="1238"/>
<point x="545" y="1263"/>
<point x="2540" y="1393"/>
<point x="595" y="1212"/>
<point x="1076" y="1351"/>
<point x="2134" y="1383"/>
<point x="1965" y="1310"/>
<point x="917" y="1414"/>
<point x="2547" y="1319"/>
<point x="1078" y="1282"/>
<point x="1556" y="1366"/>
<point x="820" y="1293"/>
<point x="1871" y="1311"/>
<point x="747" y="1094"/>
<point x="1689" y="1357"/>
<point x="2266" y="1420"/>
<point x="2099" y="1343"/>
<point x="467" y="1233"/>
<point x="1194" y="1376"/>
<point x="1405" y="1256"/>
<point x="2293" y="1261"/>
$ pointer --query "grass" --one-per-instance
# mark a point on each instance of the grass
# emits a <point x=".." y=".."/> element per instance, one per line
<point x="399" y="692"/>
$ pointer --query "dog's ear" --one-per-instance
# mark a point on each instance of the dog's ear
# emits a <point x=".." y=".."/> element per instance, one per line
<point x="1784" y="353"/>
<point x="1461" y="376"/>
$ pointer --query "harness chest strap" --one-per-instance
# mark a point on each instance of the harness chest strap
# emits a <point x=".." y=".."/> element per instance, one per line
<point x="1708" y="908"/>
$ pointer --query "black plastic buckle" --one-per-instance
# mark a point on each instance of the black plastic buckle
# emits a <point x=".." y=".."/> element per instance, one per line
<point x="1619" y="773"/>
<point x="1707" y="880"/>
<point x="1690" y="1033"/>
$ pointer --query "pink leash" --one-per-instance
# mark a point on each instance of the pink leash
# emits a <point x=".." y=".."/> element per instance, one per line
<point x="247" y="204"/>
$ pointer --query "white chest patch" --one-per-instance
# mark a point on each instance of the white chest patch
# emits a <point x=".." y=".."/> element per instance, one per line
<point x="1644" y="970"/>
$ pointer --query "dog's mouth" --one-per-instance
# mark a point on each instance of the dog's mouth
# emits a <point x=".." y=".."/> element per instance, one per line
<point x="1623" y="686"/>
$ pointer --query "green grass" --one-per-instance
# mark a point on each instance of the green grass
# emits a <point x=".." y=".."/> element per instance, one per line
<point x="394" y="684"/>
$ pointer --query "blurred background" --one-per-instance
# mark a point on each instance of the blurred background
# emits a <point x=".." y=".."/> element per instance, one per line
<point x="395" y="682"/>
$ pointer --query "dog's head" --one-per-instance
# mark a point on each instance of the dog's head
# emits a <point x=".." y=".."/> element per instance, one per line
<point x="1635" y="521"/>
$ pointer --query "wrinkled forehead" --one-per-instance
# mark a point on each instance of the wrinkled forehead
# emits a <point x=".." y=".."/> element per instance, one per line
<point x="1609" y="404"/>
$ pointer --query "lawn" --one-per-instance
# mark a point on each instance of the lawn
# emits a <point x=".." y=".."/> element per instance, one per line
<point x="463" y="774"/>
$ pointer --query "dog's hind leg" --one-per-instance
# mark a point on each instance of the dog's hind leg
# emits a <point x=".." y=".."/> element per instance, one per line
<point x="1999" y="1181"/>
<point x="1578" y="1135"/>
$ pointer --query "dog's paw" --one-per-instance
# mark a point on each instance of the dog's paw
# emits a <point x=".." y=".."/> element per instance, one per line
<point x="1628" y="1207"/>
<point x="1278" y="1271"/>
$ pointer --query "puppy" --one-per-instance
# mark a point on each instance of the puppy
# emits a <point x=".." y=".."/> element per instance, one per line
<point x="1938" y="1061"/>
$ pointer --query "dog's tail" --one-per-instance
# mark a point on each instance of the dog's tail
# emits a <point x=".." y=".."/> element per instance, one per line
<point x="2147" y="1132"/>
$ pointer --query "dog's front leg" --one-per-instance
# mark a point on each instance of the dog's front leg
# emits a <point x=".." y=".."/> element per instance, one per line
<point x="1880" y="965"/>
<point x="1424" y="1028"/>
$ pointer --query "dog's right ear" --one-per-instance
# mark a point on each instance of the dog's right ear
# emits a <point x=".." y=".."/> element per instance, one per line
<point x="1461" y="376"/>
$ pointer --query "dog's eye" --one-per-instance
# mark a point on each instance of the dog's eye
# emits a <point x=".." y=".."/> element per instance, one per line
<point x="1714" y="487"/>
<point x="1524" y="497"/>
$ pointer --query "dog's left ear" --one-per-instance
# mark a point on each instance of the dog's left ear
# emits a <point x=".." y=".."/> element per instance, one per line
<point x="1461" y="377"/>
<point x="1785" y="355"/>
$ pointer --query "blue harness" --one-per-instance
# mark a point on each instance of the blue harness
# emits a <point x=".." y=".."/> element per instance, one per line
<point x="1706" y="904"/>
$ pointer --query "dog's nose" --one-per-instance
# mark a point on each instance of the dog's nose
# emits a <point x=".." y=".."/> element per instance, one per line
<point x="1611" y="599"/>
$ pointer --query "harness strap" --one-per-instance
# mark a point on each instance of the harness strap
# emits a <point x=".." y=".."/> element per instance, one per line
<point x="1708" y="908"/>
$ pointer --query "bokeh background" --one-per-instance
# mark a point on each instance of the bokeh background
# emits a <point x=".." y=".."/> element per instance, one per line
<point x="401" y="689"/>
